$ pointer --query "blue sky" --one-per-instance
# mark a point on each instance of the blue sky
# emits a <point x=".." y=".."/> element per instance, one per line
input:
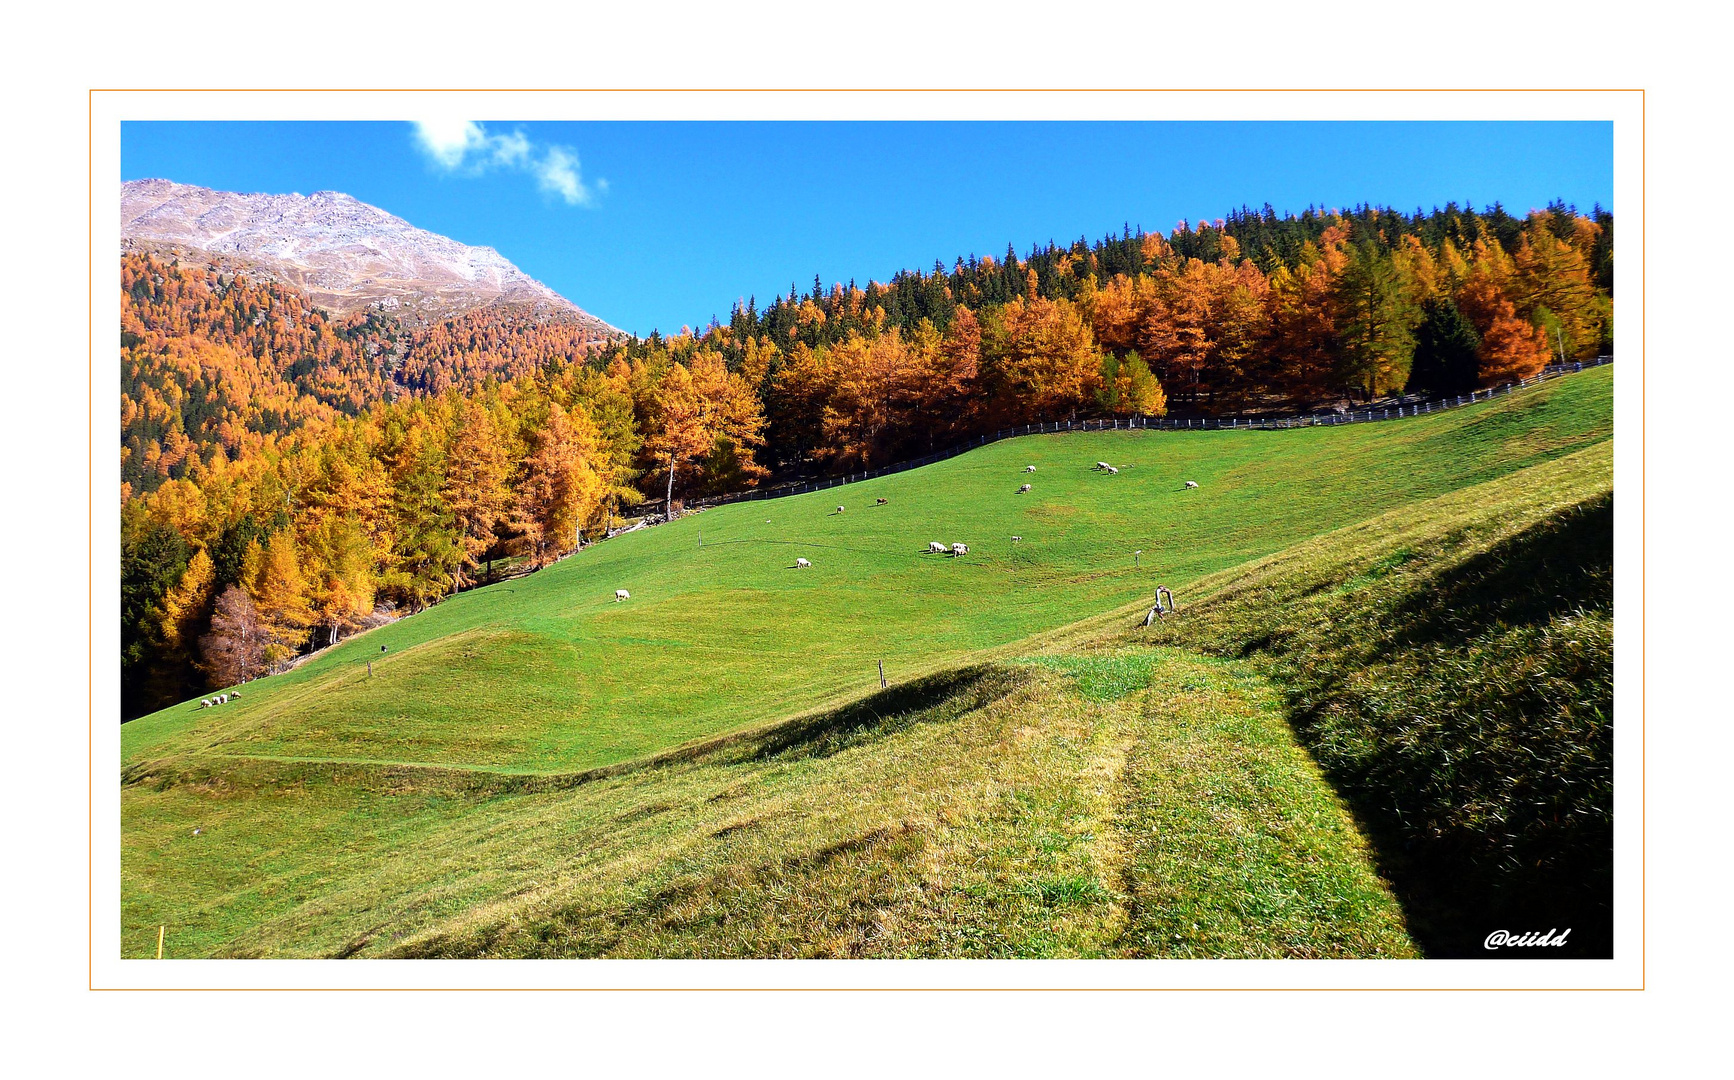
<point x="655" y="225"/>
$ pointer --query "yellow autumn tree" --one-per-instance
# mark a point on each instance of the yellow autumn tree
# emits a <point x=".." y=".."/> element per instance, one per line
<point x="559" y="488"/>
<point x="280" y="594"/>
<point x="476" y="489"/>
<point x="186" y="605"/>
<point x="1041" y="358"/>
<point x="706" y="414"/>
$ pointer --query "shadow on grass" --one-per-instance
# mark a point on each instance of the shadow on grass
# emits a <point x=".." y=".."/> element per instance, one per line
<point x="1461" y="702"/>
<point x="939" y="697"/>
<point x="944" y="696"/>
<point x="1561" y="565"/>
<point x="1475" y="741"/>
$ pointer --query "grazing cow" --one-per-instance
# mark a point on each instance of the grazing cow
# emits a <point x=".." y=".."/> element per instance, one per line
<point x="1015" y="539"/>
<point x="802" y="564"/>
<point x="235" y="693"/>
<point x="621" y="594"/>
<point x="1113" y="470"/>
<point x="222" y="699"/>
<point x="960" y="549"/>
<point x="205" y="704"/>
<point x="1103" y="465"/>
<point x="880" y="502"/>
<point x="934" y="547"/>
<point x="1191" y="483"/>
<point x="1024" y="490"/>
<point x="1029" y="468"/>
<point x="839" y="509"/>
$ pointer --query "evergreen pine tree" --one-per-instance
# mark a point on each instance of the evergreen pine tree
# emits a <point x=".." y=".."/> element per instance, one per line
<point x="1446" y="348"/>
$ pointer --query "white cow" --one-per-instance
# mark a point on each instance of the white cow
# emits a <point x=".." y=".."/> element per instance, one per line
<point x="1113" y="470"/>
<point x="621" y="594"/>
<point x="205" y="704"/>
<point x="1029" y="468"/>
<point x="839" y="509"/>
<point x="1024" y="490"/>
<point x="960" y="549"/>
<point x="1191" y="483"/>
<point x="1103" y="465"/>
<point x="934" y="547"/>
<point x="802" y="564"/>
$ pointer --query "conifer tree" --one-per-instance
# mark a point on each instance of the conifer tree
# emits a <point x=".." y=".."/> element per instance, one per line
<point x="1376" y="324"/>
<point x="185" y="606"/>
<point x="559" y="488"/>
<point x="1447" y="350"/>
<point x="280" y="594"/>
<point x="475" y="488"/>
<point x="1511" y="348"/>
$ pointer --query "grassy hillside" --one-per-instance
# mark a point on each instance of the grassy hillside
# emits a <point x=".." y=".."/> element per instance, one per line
<point x="1033" y="785"/>
<point x="1015" y="809"/>
<point x="548" y="674"/>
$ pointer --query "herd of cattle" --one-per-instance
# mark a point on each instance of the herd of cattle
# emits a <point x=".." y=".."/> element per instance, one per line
<point x="220" y="699"/>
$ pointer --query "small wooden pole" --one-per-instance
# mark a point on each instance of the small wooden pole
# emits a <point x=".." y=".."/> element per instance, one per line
<point x="881" y="674"/>
<point x="370" y="669"/>
<point x="160" y="930"/>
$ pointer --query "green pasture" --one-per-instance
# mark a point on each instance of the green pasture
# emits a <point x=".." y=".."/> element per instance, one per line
<point x="547" y="673"/>
<point x="711" y="768"/>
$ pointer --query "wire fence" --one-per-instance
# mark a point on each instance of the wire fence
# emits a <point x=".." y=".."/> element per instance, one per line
<point x="1396" y="410"/>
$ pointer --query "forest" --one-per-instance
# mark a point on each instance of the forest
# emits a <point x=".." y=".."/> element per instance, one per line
<point x="290" y="477"/>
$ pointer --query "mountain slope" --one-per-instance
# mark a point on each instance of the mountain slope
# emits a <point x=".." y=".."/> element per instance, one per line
<point x="1083" y="794"/>
<point x="343" y="253"/>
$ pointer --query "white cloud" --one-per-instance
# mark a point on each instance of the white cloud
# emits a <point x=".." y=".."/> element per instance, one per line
<point x="557" y="173"/>
<point x="449" y="142"/>
<point x="465" y="147"/>
<point x="511" y="150"/>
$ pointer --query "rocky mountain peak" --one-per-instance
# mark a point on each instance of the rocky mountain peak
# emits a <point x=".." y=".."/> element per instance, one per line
<point x="345" y="254"/>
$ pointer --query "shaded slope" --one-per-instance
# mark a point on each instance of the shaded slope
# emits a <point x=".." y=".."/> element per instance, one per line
<point x="1451" y="667"/>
